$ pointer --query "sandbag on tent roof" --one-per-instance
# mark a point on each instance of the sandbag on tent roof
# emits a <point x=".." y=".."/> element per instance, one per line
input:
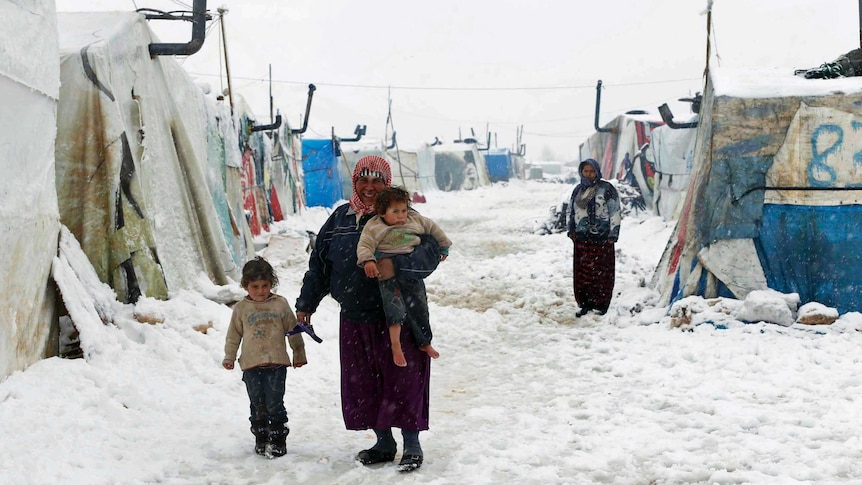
<point x="29" y="217"/>
<point x="131" y="159"/>
<point x="774" y="199"/>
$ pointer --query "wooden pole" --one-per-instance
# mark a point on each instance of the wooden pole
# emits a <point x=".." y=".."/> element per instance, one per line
<point x="221" y="12"/>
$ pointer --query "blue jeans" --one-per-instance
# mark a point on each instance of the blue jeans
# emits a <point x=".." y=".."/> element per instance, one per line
<point x="265" y="386"/>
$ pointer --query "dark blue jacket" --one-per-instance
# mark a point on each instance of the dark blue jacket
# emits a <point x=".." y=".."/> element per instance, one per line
<point x="332" y="269"/>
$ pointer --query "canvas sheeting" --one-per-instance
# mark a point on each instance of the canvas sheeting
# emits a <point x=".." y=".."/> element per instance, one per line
<point x="131" y="161"/>
<point x="622" y="152"/>
<point x="672" y="151"/>
<point x="29" y="215"/>
<point x="737" y="230"/>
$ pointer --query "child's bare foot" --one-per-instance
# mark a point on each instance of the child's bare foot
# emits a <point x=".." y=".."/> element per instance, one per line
<point x="398" y="358"/>
<point x="428" y="349"/>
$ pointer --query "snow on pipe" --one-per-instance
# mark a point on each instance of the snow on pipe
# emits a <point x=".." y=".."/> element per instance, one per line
<point x="667" y="117"/>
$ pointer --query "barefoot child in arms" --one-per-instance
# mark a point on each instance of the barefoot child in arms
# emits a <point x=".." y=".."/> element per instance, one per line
<point x="396" y="230"/>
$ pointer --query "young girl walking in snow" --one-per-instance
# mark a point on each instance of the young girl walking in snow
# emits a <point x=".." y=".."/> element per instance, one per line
<point x="260" y="322"/>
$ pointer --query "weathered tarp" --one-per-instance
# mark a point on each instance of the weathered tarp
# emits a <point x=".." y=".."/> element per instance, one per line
<point x="29" y="216"/>
<point x="287" y="180"/>
<point x="131" y="160"/>
<point x="772" y="200"/>
<point x="622" y="151"/>
<point x="672" y="151"/>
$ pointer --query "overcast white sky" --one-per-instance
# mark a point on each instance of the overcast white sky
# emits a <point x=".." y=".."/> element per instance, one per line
<point x="493" y="64"/>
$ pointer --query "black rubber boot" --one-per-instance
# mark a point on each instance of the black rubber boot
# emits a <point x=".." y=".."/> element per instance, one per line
<point x="261" y="436"/>
<point x="277" y="440"/>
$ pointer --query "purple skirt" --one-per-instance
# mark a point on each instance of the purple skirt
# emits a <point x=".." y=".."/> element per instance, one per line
<point x="376" y="393"/>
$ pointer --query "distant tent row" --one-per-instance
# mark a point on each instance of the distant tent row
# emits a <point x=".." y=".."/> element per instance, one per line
<point x="155" y="178"/>
<point x="774" y="199"/>
<point x="442" y="167"/>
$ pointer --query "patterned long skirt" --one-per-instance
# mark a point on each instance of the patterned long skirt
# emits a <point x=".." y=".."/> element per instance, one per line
<point x="593" y="266"/>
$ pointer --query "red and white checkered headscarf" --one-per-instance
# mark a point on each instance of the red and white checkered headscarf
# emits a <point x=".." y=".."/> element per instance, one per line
<point x="369" y="166"/>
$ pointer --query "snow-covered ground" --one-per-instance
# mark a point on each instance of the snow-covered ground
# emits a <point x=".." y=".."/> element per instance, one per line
<point x="523" y="393"/>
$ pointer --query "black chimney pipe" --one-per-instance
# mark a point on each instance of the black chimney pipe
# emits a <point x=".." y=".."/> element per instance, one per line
<point x="598" y="105"/>
<point x="273" y="126"/>
<point x="300" y="131"/>
<point x="667" y="117"/>
<point x="199" y="28"/>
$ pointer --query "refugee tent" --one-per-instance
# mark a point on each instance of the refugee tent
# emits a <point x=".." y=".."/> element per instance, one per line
<point x="456" y="166"/>
<point x="224" y="179"/>
<point x="320" y="164"/>
<point x="271" y="177"/>
<point x="287" y="184"/>
<point x="134" y="183"/>
<point x="621" y="146"/>
<point x="29" y="215"/>
<point x="774" y="199"/>
<point x="500" y="164"/>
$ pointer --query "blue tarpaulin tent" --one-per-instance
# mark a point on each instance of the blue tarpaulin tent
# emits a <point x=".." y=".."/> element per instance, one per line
<point x="322" y="178"/>
<point x="499" y="163"/>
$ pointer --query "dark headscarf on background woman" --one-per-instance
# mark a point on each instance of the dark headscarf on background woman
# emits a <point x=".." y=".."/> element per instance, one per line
<point x="586" y="190"/>
<point x="369" y="166"/>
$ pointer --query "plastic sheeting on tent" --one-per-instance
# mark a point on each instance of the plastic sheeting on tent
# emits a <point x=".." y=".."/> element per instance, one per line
<point x="774" y="198"/>
<point x="131" y="159"/>
<point x="323" y="186"/>
<point x="622" y="151"/>
<point x="29" y="215"/>
<point x="672" y="150"/>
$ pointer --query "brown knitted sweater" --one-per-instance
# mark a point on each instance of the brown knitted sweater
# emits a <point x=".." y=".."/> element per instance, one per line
<point x="261" y="328"/>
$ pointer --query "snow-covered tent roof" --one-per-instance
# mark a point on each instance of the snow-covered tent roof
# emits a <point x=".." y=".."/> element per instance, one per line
<point x="774" y="199"/>
<point x="29" y="218"/>
<point x="132" y="170"/>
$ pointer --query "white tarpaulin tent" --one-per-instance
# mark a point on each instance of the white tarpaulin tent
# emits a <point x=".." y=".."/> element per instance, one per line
<point x="131" y="160"/>
<point x="29" y="219"/>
